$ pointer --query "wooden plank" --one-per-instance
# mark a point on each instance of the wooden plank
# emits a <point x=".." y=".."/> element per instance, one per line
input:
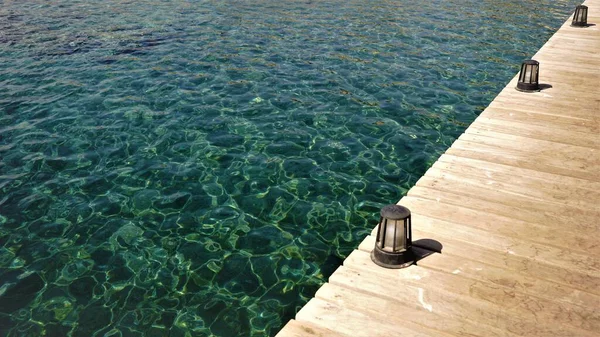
<point x="517" y="158"/>
<point x="581" y="57"/>
<point x="540" y="119"/>
<point x="558" y="221"/>
<point x="560" y="80"/>
<point x="555" y="102"/>
<point x="505" y="226"/>
<point x="432" y="305"/>
<point x="546" y="188"/>
<point x="582" y="109"/>
<point x="558" y="214"/>
<point x="568" y="43"/>
<point x="517" y="264"/>
<point x="492" y="169"/>
<point x="574" y="33"/>
<point x="552" y="187"/>
<point x="588" y="141"/>
<point x="349" y="322"/>
<point x="475" y="296"/>
<point x="569" y="77"/>
<point x="498" y="191"/>
<point x="591" y="56"/>
<point x="573" y="38"/>
<point x="574" y="94"/>
<point x="552" y="63"/>
<point x="502" y="277"/>
<point x="557" y="134"/>
<point x="302" y="329"/>
<point x="578" y="160"/>
<point x="394" y="311"/>
<point x="560" y="257"/>
<point x="558" y="89"/>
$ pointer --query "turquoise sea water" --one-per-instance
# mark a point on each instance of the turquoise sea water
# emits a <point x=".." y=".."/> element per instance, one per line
<point x="198" y="168"/>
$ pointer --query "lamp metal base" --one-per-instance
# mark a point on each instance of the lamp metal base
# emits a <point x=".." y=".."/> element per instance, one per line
<point x="392" y="260"/>
<point x="580" y="26"/>
<point x="528" y="89"/>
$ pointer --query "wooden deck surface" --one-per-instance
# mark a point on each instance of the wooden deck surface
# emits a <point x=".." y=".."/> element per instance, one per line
<point x="515" y="202"/>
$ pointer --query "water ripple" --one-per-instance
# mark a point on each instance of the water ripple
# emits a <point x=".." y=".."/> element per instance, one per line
<point x="199" y="168"/>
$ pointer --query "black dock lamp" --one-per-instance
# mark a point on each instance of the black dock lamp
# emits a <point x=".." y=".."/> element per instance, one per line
<point x="529" y="76"/>
<point x="393" y="246"/>
<point x="580" y="16"/>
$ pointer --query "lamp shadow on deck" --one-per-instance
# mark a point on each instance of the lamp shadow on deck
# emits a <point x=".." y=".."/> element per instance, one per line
<point x="423" y="248"/>
<point x="544" y="86"/>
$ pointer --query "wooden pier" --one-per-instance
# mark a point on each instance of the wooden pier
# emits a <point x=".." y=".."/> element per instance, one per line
<point x="515" y="203"/>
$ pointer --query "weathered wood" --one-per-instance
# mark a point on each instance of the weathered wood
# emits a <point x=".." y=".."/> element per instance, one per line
<point x="391" y="311"/>
<point x="545" y="215"/>
<point x="491" y="169"/>
<point x="495" y="128"/>
<point x="523" y="265"/>
<point x="500" y="276"/>
<point x="350" y="322"/>
<point x="575" y="109"/>
<point x="538" y="119"/>
<point x="431" y="305"/>
<point x="302" y="329"/>
<point x="518" y="158"/>
<point x="578" y="160"/>
<point x="562" y="88"/>
<point x="528" y="192"/>
<point x="501" y="305"/>
<point x="561" y="257"/>
<point x="553" y="187"/>
<point x="504" y="226"/>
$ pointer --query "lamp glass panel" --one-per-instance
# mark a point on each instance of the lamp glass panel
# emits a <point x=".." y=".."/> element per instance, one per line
<point x="394" y="227"/>
<point x="534" y="73"/>
<point x="522" y="73"/>
<point x="531" y="73"/>
<point x="580" y="16"/>
<point x="527" y="77"/>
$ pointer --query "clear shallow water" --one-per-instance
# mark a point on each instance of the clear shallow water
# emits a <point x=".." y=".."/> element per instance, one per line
<point x="198" y="168"/>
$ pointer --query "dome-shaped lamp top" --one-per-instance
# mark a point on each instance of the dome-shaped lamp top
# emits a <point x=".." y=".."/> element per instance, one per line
<point x="395" y="212"/>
